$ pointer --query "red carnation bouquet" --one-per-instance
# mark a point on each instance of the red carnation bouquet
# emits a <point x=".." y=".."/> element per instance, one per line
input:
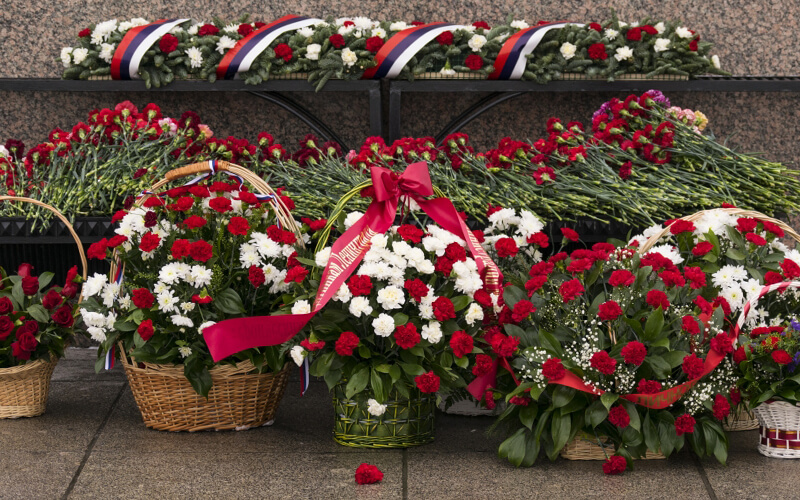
<point x="192" y="257"/>
<point x="36" y="320"/>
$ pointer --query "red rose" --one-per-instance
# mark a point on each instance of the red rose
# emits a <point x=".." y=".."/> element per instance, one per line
<point x="553" y="369"/>
<point x="145" y="329"/>
<point x="6" y="306"/>
<point x="149" y="242"/>
<point x="609" y="311"/>
<point x="427" y="382"/>
<point x="621" y="277"/>
<point x="406" y="336"/>
<point x="692" y="366"/>
<point x="244" y="29"/>
<point x="374" y="44"/>
<point x="681" y="226"/>
<point x="284" y="52"/>
<point x="221" y="204"/>
<point x="702" y="248"/>
<point x="618" y="416"/>
<point x="603" y="363"/>
<point x="634" y="353"/>
<point x="755" y="239"/>
<point x="194" y="222"/>
<point x="649" y="386"/>
<point x="98" y="249"/>
<point x="180" y="249"/>
<point x="473" y="62"/>
<point x="615" y="465"/>
<point x="337" y="41"/>
<point x="63" y="316"/>
<point x="569" y="290"/>
<point x="445" y="38"/>
<point x="238" y="226"/>
<point x="417" y="289"/>
<point x="30" y="285"/>
<point x="569" y="234"/>
<point x="201" y="251"/>
<point x="722" y="344"/>
<point x="721" y="407"/>
<point x="522" y="310"/>
<point x="598" y="51"/>
<point x="483" y="365"/>
<point x="781" y="357"/>
<point x="443" y="309"/>
<point x="17" y="349"/>
<point x="360" y="285"/>
<point x="312" y="346"/>
<point x="461" y="343"/>
<point x="657" y="298"/>
<point x="256" y="276"/>
<point x="207" y="29"/>
<point x="634" y="34"/>
<point x="26" y="335"/>
<point x="650" y="30"/>
<point x="168" y="43"/>
<point x="368" y="474"/>
<point x="51" y="299"/>
<point x="345" y="344"/>
<point x="296" y="274"/>
<point x="684" y="424"/>
<point x="143" y="299"/>
<point x="6" y="327"/>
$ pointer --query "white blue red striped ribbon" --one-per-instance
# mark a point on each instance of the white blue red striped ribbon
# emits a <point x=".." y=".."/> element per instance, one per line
<point x="513" y="56"/>
<point x="402" y="46"/>
<point x="136" y="42"/>
<point x="304" y="376"/>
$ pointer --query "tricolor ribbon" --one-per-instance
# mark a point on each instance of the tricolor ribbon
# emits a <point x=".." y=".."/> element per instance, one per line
<point x="234" y="335"/>
<point x="513" y="56"/>
<point x="241" y="56"/>
<point x="783" y="285"/>
<point x="402" y="46"/>
<point x="136" y="42"/>
<point x="304" y="376"/>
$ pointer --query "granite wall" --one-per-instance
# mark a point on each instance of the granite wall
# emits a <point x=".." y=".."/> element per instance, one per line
<point x="752" y="37"/>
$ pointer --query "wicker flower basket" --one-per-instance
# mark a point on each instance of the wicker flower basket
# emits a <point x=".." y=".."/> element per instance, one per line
<point x="406" y="422"/>
<point x="587" y="447"/>
<point x="741" y="420"/>
<point x="779" y="432"/>
<point x="24" y="388"/>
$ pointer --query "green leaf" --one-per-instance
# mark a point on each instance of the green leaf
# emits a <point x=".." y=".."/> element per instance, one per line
<point x="512" y="295"/>
<point x="462" y="362"/>
<point x="380" y="390"/>
<point x="413" y="369"/>
<point x="460" y="302"/>
<point x="735" y="254"/>
<point x="39" y="313"/>
<point x="45" y="279"/>
<point x="562" y="395"/>
<point x="125" y="326"/>
<point x="596" y="413"/>
<point x="382" y="368"/>
<point x="364" y="351"/>
<point x="18" y="295"/>
<point x="550" y="344"/>
<point x="229" y="302"/>
<point x="636" y="422"/>
<point x="513" y="448"/>
<point x="650" y="434"/>
<point x="660" y="367"/>
<point x="400" y="319"/>
<point x="527" y="415"/>
<point x="200" y="379"/>
<point x="560" y="428"/>
<point x="395" y="373"/>
<point x="608" y="399"/>
<point x="674" y="358"/>
<point x="654" y="325"/>
<point x="358" y="382"/>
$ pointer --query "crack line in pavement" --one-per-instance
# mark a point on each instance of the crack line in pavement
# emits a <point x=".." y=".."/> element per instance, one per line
<point x="711" y="494"/>
<point x="89" y="448"/>
<point x="405" y="474"/>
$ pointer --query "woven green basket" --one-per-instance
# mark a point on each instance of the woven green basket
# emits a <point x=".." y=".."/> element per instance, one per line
<point x="406" y="422"/>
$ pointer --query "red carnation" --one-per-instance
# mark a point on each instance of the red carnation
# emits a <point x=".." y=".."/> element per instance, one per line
<point x="284" y="52"/>
<point x="553" y="369"/>
<point x="634" y="353"/>
<point x="598" y="51"/>
<point x="201" y="251"/>
<point x="771" y="277"/>
<point x="98" y="249"/>
<point x="455" y="252"/>
<point x="143" y="299"/>
<point x="115" y="241"/>
<point x="194" y="222"/>
<point x="689" y="325"/>
<point x="621" y="277"/>
<point x="473" y="62"/>
<point x="596" y="27"/>
<point x="790" y="269"/>
<point x="696" y="276"/>
<point x="702" y="248"/>
<point x="615" y="465"/>
<point x="345" y="344"/>
<point x="721" y="407"/>
<point x="443" y="309"/>
<point x="634" y="34"/>
<point x="681" y="226"/>
<point x="256" y="276"/>
<point x="406" y="336"/>
<point x="684" y="424"/>
<point x="312" y="346"/>
<point x="692" y="366"/>
<point x="504" y="345"/>
<point x="569" y="234"/>
<point x="746" y="224"/>
<point x="534" y="284"/>
<point x="625" y="170"/>
<point x="541" y="268"/>
<point x="693" y="45"/>
<point x="221" y="204"/>
<point x="657" y="298"/>
<point x="444" y="265"/>
<point x="368" y="474"/>
<point x="648" y="386"/>
<point x="337" y="41"/>
<point x="427" y="382"/>
<point x="722" y="344"/>
<point x="520" y="400"/>
<point x="118" y="216"/>
<point x="168" y="43"/>
<point x="773" y="228"/>
<point x="410" y="233"/>
<point x="244" y="29"/>
<point x="145" y="329"/>
<point x="672" y="278"/>
<point x="736" y="396"/>
<point x="755" y="239"/>
<point x="483" y="365"/>
<point x="603" y="363"/>
<point x="197" y="299"/>
<point x="180" y="249"/>
<point x="84" y="33"/>
<point x="569" y="290"/>
<point x="418" y="290"/>
<point x="739" y="355"/>
<point x="238" y="226"/>
<point x="488" y="399"/>
<point x="374" y="44"/>
<point x="445" y="38"/>
<point x="360" y="285"/>
<point x="522" y="310"/>
<point x="557" y="257"/>
<point x="579" y="265"/>
<point x="618" y="416"/>
<point x="540" y="239"/>
<point x="650" y="30"/>
<point x="51" y="300"/>
<point x="481" y="25"/>
<point x="207" y="29"/>
<point x="149" y="242"/>
<point x="461" y="343"/>
<point x="781" y="357"/>
<point x="296" y="274"/>
<point x="609" y="311"/>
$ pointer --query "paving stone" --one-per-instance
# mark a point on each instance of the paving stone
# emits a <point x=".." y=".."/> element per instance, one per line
<point x="36" y="474"/>
<point x="78" y="364"/>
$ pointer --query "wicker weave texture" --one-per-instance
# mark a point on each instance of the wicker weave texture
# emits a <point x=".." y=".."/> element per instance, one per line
<point x="742" y="420"/>
<point x="471" y="408"/>
<point x="239" y="399"/>
<point x="584" y="447"/>
<point x="406" y="422"/>
<point x="778" y="416"/>
<point x="24" y="388"/>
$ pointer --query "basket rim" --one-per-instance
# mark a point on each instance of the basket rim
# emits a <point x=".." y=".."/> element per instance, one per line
<point x="30" y="365"/>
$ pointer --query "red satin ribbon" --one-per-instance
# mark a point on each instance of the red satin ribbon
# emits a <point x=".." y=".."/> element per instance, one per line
<point x="234" y="335"/>
<point x="778" y="438"/>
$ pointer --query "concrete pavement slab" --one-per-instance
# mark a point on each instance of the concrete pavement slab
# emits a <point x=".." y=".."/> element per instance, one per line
<point x="36" y="474"/>
<point x="78" y="364"/>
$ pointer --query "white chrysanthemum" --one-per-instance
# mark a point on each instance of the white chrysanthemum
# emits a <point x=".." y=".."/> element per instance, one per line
<point x="344" y="30"/>
<point x="432" y="332"/>
<point x="349" y="58"/>
<point x="102" y="31"/>
<point x="231" y="28"/>
<point x="185" y="351"/>
<point x="529" y="224"/>
<point x="723" y="277"/>
<point x="519" y="24"/>
<point x="715" y="61"/>
<point x="205" y="325"/>
<point x="298" y="354"/>
<point x="264" y="245"/>
<point x="176" y="29"/>
<point x="398" y="26"/>
<point x="751" y="288"/>
<point x="110" y="319"/>
<point x="301" y="307"/>
<point x="623" y="53"/>
<point x="383" y="325"/>
<point x="125" y="302"/>
<point x="94" y="319"/>
<point x="312" y="51"/>
<point x="180" y="320"/>
<point x="661" y="45"/>
<point x="362" y="23"/>
<point x="734" y="295"/>
<point x="79" y="55"/>
<point x="343" y="294"/>
<point x="477" y="42"/>
<point x="379" y="32"/>
<point x="660" y="27"/>
<point x="169" y="274"/>
<point x="611" y="34"/>
<point x="391" y="297"/>
<point x="793" y="255"/>
<point x="322" y="257"/>
<point x="567" y="50"/>
<point x="97" y="334"/>
<point x="109" y="294"/>
<point x="66" y="56"/>
<point x="188" y="306"/>
<point x="359" y="306"/>
<point x="201" y="276"/>
<point x="94" y="285"/>
<point x="375" y="408"/>
<point x="195" y="57"/>
<point x="167" y="301"/>
<point x="474" y="313"/>
<point x="193" y="29"/>
<point x="683" y="32"/>
<point x="225" y="43"/>
<point x="107" y="52"/>
<point x="306" y="31"/>
<point x="351" y="219"/>
<point x="714" y="220"/>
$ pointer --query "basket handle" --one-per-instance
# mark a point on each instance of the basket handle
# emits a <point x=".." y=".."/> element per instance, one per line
<point x="196" y="168"/>
<point x="647" y="245"/>
<point x="63" y="219"/>
<point x="783" y="285"/>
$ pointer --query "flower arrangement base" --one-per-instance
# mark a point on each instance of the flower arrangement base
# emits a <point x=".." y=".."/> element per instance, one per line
<point x="406" y="422"/>
<point x="586" y="447"/>
<point x="239" y="399"/>
<point x="627" y="76"/>
<point x="779" y="433"/>
<point x="435" y="75"/>
<point x="471" y="408"/>
<point x="24" y="388"/>
<point x="742" y="420"/>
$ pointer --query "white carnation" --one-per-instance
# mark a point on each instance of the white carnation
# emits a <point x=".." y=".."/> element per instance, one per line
<point x="503" y="218"/>
<point x="383" y="325"/>
<point x="79" y="55"/>
<point x="298" y="354"/>
<point x="391" y="297"/>
<point x="669" y="252"/>
<point x="94" y="285"/>
<point x="359" y="306"/>
<point x="474" y="313"/>
<point x="432" y="332"/>
<point x="567" y="50"/>
<point x="434" y="245"/>
<point x="312" y="51"/>
<point x="683" y="32"/>
<point x="66" y="56"/>
<point x="343" y="294"/>
<point x="661" y="45"/>
<point x="375" y="408"/>
<point x="362" y="23"/>
<point x="306" y="31"/>
<point x="660" y="27"/>
<point x="447" y="71"/>
<point x="715" y="61"/>
<point x="301" y="307"/>
<point x="477" y="42"/>
<point x="107" y="52"/>
<point x="398" y="26"/>
<point x="623" y="53"/>
<point x="93" y="319"/>
<point x="351" y="219"/>
<point x="349" y="58"/>
<point x="519" y="24"/>
<point x="97" y="334"/>
<point x="322" y="257"/>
